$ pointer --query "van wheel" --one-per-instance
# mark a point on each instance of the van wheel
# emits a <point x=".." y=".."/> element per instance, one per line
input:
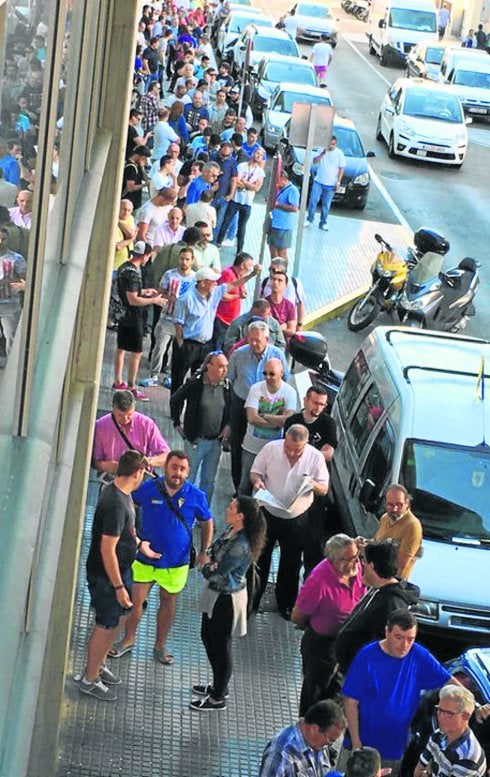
<point x="372" y="50"/>
<point x="391" y="147"/>
<point x="383" y="59"/>
<point x="379" y="134"/>
<point x="364" y="311"/>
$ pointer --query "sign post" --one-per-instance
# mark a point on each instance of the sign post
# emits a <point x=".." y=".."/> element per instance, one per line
<point x="271" y="198"/>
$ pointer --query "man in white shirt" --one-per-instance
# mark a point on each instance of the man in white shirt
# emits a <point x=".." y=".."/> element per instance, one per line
<point x="291" y="24"/>
<point x="269" y="403"/>
<point x="321" y="54"/>
<point x="331" y="166"/>
<point x="284" y="467"/>
<point x="153" y="215"/>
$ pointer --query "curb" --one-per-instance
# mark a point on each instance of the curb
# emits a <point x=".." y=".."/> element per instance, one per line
<point x="334" y="309"/>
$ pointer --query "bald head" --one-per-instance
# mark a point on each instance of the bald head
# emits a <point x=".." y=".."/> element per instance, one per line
<point x="273" y="373"/>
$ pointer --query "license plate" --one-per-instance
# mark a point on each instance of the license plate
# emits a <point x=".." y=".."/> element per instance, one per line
<point x="477" y="110"/>
<point x="340" y="190"/>
<point x="432" y="148"/>
<point x="421" y="152"/>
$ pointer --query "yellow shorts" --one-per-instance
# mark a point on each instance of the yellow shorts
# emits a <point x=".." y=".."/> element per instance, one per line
<point x="172" y="580"/>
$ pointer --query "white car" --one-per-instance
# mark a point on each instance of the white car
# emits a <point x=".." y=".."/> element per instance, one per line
<point x="273" y="70"/>
<point x="235" y="23"/>
<point x="280" y="108"/>
<point x="315" y="20"/>
<point x="261" y="41"/>
<point x="423" y="120"/>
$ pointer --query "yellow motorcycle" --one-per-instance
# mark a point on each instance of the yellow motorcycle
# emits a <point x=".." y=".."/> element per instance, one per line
<point x="389" y="273"/>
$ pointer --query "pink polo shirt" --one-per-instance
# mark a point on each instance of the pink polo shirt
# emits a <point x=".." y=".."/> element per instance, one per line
<point x="142" y="433"/>
<point x="327" y="600"/>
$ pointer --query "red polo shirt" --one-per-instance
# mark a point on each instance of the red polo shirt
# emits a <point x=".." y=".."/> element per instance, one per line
<point x="228" y="310"/>
<point x="327" y="600"/>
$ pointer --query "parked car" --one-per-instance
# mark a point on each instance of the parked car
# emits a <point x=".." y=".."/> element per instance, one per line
<point x="271" y="71"/>
<point x="261" y="40"/>
<point x="356" y="180"/>
<point x="280" y="106"/>
<point x="424" y="59"/>
<point x="315" y="20"/>
<point x="423" y="120"/>
<point x="235" y="23"/>
<point x="468" y="71"/>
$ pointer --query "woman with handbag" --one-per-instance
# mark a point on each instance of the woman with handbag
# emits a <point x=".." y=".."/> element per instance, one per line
<point x="224" y="600"/>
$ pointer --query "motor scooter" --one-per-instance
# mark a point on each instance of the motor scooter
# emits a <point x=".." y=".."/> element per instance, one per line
<point x="438" y="300"/>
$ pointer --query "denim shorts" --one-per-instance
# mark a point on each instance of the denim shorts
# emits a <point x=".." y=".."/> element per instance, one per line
<point x="103" y="599"/>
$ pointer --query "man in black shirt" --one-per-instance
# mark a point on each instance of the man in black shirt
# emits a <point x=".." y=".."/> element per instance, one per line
<point x="134" y="175"/>
<point x="112" y="552"/>
<point x="322" y="431"/>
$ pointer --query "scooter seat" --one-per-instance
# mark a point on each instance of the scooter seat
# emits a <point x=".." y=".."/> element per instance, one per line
<point x="457" y="281"/>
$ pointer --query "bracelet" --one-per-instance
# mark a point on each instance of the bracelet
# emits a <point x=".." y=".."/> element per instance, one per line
<point x="117" y="587"/>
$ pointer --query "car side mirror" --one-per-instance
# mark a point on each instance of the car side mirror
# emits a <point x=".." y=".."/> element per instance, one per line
<point x="381" y="24"/>
<point x="367" y="495"/>
<point x="370" y="155"/>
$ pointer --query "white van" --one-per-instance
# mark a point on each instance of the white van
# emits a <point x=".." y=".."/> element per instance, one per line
<point x="394" y="26"/>
<point x="468" y="70"/>
<point x="409" y="411"/>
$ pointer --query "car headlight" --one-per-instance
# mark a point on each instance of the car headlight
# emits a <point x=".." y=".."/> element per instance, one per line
<point x="426" y="609"/>
<point x="405" y="129"/>
<point x="362" y="179"/>
<point x="298" y="168"/>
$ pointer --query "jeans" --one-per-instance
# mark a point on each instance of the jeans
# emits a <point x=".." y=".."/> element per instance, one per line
<point x="219" y="333"/>
<point x="163" y="335"/>
<point x="326" y="193"/>
<point x="221" y="204"/>
<point x="205" y="454"/>
<point x="243" y="216"/>
<point x="245" y="488"/>
<point x="216" y="638"/>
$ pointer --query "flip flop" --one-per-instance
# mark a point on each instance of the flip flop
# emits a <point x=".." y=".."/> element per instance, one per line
<point x="167" y="659"/>
<point x="118" y="650"/>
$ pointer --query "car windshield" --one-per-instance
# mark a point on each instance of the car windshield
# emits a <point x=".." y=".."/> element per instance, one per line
<point x="470" y="78"/>
<point x="317" y="11"/>
<point x="433" y="56"/>
<point x="408" y="19"/>
<point x="240" y="22"/>
<point x="296" y="74"/>
<point x="286" y="100"/>
<point x="431" y="105"/>
<point x="450" y="487"/>
<point x="275" y="45"/>
<point x="349" y="142"/>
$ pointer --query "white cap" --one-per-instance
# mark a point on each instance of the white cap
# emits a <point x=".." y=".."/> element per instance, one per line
<point x="139" y="248"/>
<point x="206" y="274"/>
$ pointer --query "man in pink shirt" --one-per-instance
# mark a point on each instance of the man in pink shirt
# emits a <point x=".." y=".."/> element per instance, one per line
<point x="229" y="308"/>
<point x="21" y="214"/>
<point x="140" y="431"/>
<point x="282" y="309"/>
<point x="325" y="600"/>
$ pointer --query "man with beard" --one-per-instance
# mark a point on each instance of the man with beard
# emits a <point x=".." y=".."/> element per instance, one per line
<point x="170" y="507"/>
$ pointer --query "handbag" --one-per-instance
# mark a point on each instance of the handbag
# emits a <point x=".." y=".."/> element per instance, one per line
<point x="180" y="517"/>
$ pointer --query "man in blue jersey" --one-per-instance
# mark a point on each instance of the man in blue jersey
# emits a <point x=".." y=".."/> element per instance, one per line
<point x="382" y="690"/>
<point x="170" y="507"/>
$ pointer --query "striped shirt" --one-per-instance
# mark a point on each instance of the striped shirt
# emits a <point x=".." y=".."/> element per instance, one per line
<point x="462" y="758"/>
<point x="289" y="755"/>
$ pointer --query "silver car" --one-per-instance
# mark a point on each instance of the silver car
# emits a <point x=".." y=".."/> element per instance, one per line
<point x="315" y="20"/>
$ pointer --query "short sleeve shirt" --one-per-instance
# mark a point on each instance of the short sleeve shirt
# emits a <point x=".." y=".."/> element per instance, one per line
<point x="284" y="219"/>
<point x="322" y="431"/>
<point x="283" y="311"/>
<point x="407" y="531"/>
<point x="129" y="279"/>
<point x="114" y="517"/>
<point x="143" y="434"/>
<point x="328" y="167"/>
<point x="327" y="600"/>
<point x="261" y="400"/>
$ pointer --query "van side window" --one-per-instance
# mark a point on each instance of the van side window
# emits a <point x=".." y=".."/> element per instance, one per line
<point x="356" y="377"/>
<point x="365" y="418"/>
<point x="377" y="466"/>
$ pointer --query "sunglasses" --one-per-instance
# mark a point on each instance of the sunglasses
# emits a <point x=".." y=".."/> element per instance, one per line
<point x="269" y="374"/>
<point x="215" y="353"/>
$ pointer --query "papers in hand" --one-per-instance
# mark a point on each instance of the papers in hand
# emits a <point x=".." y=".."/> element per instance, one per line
<point x="288" y="501"/>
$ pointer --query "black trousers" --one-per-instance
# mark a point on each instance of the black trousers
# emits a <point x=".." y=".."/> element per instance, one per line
<point x="319" y="669"/>
<point x="216" y="638"/>
<point x="238" y="427"/>
<point x="189" y="357"/>
<point x="314" y="534"/>
<point x="288" y="533"/>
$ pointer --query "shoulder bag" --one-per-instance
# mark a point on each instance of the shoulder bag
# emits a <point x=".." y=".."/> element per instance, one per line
<point x="181" y="519"/>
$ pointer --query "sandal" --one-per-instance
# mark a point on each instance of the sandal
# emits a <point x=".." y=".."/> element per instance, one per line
<point x="167" y="659"/>
<point x="118" y="650"/>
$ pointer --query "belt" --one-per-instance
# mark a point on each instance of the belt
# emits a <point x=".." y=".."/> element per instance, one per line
<point x="198" y="342"/>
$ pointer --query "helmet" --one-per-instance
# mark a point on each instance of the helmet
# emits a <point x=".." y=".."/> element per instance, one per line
<point x="426" y="239"/>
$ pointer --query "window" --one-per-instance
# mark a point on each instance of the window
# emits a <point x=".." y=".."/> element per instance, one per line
<point x="353" y="383"/>
<point x="377" y="466"/>
<point x="366" y="417"/>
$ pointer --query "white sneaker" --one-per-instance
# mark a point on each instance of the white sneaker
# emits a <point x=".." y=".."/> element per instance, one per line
<point x="228" y="243"/>
<point x="307" y="224"/>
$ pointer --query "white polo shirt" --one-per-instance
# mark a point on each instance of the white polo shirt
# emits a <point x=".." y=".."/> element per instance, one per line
<point x="327" y="172"/>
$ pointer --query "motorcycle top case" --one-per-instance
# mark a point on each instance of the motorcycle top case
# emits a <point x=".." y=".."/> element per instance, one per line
<point x="428" y="240"/>
<point x="308" y="348"/>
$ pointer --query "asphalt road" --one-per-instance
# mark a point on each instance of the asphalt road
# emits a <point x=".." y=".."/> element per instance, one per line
<point x="454" y="202"/>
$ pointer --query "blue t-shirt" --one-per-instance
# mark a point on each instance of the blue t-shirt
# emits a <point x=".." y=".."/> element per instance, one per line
<point x="388" y="691"/>
<point x="196" y="188"/>
<point x="284" y="219"/>
<point x="162" y="528"/>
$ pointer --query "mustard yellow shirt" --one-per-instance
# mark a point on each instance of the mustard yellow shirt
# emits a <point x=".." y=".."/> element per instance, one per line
<point x="407" y="530"/>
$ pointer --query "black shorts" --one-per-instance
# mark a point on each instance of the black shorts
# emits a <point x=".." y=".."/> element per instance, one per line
<point x="130" y="335"/>
<point x="108" y="611"/>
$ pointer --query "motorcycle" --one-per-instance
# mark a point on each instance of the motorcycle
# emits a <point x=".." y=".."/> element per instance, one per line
<point x="389" y="273"/>
<point x="362" y="10"/>
<point x="310" y="350"/>
<point x="438" y="300"/>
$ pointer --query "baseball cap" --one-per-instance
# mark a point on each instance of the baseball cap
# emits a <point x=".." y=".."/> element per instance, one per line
<point x="235" y="90"/>
<point x="206" y="274"/>
<point x="139" y="248"/>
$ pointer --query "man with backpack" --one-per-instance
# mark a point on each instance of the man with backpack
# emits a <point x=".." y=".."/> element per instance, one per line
<point x="294" y="291"/>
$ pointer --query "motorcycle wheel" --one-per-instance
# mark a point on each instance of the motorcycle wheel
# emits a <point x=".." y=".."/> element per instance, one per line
<point x="364" y="312"/>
